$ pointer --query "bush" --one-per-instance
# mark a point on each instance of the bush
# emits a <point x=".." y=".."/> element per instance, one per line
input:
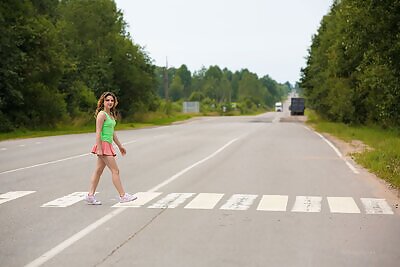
<point x="5" y="124"/>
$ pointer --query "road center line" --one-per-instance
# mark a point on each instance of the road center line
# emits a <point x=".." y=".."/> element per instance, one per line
<point x="88" y="229"/>
<point x="157" y="187"/>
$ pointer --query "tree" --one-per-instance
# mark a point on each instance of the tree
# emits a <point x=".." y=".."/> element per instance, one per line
<point x="352" y="72"/>
<point x="186" y="78"/>
<point x="31" y="66"/>
<point x="176" y="89"/>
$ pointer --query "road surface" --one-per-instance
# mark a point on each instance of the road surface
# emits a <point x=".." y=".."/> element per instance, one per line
<point x="218" y="191"/>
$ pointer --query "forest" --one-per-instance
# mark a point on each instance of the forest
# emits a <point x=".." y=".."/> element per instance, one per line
<point x="353" y="67"/>
<point x="58" y="56"/>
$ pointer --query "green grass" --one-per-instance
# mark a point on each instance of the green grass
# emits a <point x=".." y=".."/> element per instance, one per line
<point x="150" y="120"/>
<point x="383" y="159"/>
<point x="22" y="133"/>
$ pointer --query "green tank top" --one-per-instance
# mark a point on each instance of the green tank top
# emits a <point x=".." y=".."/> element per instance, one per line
<point x="107" y="131"/>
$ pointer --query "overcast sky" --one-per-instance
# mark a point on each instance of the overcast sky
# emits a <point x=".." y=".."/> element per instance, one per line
<point x="265" y="36"/>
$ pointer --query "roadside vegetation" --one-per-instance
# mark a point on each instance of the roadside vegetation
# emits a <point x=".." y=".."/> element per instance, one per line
<point x="383" y="157"/>
<point x="76" y="127"/>
<point x="58" y="57"/>
<point x="353" y="67"/>
<point x="86" y="124"/>
<point x="352" y="80"/>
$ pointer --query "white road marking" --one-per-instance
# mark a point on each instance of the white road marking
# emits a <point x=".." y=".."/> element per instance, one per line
<point x="352" y="168"/>
<point x="142" y="199"/>
<point x="342" y="205"/>
<point x="239" y="202"/>
<point x="76" y="237"/>
<point x="157" y="187"/>
<point x="45" y="163"/>
<point x="307" y="204"/>
<point x="376" y="206"/>
<point x="273" y="203"/>
<point x="54" y="161"/>
<point x="66" y="201"/>
<point x="68" y="242"/>
<point x="130" y="142"/>
<point x="205" y="201"/>
<point x="3" y="149"/>
<point x="330" y="144"/>
<point x="171" y="201"/>
<point x="13" y="195"/>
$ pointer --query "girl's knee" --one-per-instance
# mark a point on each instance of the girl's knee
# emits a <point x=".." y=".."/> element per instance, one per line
<point x="115" y="171"/>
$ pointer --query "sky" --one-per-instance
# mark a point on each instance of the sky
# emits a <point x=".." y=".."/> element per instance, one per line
<point x="267" y="37"/>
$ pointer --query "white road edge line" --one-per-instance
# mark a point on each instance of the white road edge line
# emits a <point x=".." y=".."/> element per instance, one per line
<point x="68" y="242"/>
<point x="54" y="161"/>
<point x="351" y="167"/>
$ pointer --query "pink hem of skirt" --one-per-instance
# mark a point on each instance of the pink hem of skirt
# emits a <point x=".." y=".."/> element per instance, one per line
<point x="107" y="149"/>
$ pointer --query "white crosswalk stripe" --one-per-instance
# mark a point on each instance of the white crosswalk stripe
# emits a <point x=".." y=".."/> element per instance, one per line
<point x="13" y="195"/>
<point x="204" y="201"/>
<point x="342" y="205"/>
<point x="239" y="202"/>
<point x="208" y="201"/>
<point x="66" y="201"/>
<point x="171" y="201"/>
<point x="273" y="203"/>
<point x="376" y="206"/>
<point x="142" y="199"/>
<point x="307" y="204"/>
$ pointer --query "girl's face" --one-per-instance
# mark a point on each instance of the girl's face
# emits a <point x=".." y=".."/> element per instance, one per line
<point x="109" y="102"/>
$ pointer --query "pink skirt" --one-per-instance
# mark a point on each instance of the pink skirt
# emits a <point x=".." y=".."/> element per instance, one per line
<point x="107" y="149"/>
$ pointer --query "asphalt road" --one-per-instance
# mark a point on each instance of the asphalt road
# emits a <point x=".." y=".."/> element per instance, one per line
<point x="224" y="191"/>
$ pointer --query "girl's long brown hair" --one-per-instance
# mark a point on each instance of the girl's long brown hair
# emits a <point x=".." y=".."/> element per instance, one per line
<point x="100" y="104"/>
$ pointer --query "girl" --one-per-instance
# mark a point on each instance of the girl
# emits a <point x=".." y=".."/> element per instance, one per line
<point x="105" y="135"/>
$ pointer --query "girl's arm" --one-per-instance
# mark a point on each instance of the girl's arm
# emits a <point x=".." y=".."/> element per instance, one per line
<point x="118" y="143"/>
<point x="101" y="117"/>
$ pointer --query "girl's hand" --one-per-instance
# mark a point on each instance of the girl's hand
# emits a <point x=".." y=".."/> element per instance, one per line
<point x="122" y="150"/>
<point x="99" y="152"/>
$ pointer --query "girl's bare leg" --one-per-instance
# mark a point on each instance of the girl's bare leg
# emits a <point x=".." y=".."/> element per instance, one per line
<point x="112" y="165"/>
<point x="94" y="181"/>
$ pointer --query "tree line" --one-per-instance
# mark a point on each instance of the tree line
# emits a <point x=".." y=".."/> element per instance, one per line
<point x="59" y="56"/>
<point x="221" y="87"/>
<point x="353" y="67"/>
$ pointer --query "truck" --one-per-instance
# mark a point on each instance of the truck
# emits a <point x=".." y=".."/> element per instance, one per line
<point x="297" y="106"/>
<point x="278" y="107"/>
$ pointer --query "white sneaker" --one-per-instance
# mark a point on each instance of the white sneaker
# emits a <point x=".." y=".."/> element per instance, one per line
<point x="91" y="200"/>
<point x="127" y="198"/>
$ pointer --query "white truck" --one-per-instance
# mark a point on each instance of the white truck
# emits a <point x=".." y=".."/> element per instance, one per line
<point x="278" y="107"/>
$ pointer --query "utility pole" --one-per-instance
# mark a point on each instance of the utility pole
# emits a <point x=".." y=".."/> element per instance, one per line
<point x="166" y="80"/>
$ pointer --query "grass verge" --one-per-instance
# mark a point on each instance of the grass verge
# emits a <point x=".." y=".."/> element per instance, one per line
<point x="383" y="159"/>
<point x="90" y="128"/>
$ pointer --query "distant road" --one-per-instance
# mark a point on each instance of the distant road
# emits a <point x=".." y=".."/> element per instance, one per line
<point x="217" y="191"/>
